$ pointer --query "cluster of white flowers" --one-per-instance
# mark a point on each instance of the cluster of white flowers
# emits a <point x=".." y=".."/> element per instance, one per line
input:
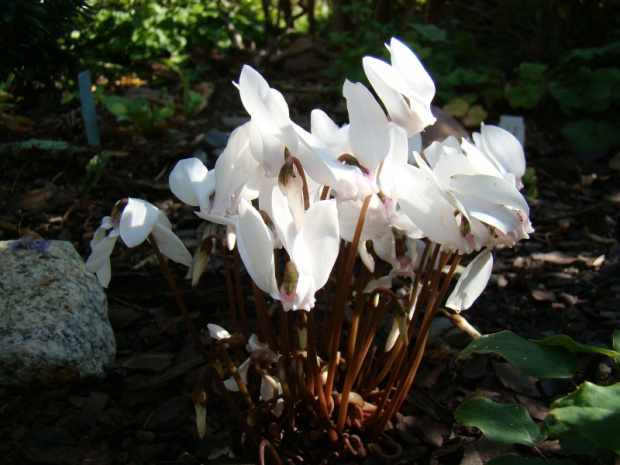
<point x="276" y="185"/>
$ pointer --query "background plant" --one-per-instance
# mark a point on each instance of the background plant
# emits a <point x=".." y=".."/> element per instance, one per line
<point x="586" y="421"/>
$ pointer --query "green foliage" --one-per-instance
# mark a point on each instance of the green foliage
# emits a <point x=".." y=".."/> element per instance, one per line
<point x="587" y="421"/>
<point x="192" y="100"/>
<point x="94" y="170"/>
<point x="129" y="30"/>
<point x="6" y="97"/>
<point x="367" y="40"/>
<point x="516" y="459"/>
<point x="574" y="346"/>
<point x="30" y="32"/>
<point x="139" y="111"/>
<point x="529" y="181"/>
<point x="504" y="424"/>
<point x="529" y="88"/>
<point x="591" y="411"/>
<point x="538" y="360"/>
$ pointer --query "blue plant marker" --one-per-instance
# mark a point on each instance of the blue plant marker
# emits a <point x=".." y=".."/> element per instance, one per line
<point x="88" y="108"/>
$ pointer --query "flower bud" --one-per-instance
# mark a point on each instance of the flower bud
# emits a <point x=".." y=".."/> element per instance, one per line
<point x="291" y="277"/>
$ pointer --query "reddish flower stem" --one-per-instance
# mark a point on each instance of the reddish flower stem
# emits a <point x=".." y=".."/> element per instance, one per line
<point x="179" y="300"/>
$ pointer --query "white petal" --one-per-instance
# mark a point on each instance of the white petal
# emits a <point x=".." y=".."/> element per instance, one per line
<point x="101" y="252"/>
<point x="266" y="106"/>
<point x="217" y="332"/>
<point x="505" y="149"/>
<point x="233" y="168"/>
<point x="283" y="219"/>
<point x="255" y="244"/>
<point x="422" y="202"/>
<point x="255" y="344"/>
<point x="320" y="240"/>
<point x="99" y="260"/>
<point x="369" y="129"/>
<point x="137" y="221"/>
<point x="190" y="182"/>
<point x="231" y="383"/>
<point x="472" y="282"/>
<point x="169" y="244"/>
<point x="420" y="83"/>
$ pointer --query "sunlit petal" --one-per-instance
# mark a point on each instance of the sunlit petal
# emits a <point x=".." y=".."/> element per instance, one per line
<point x="472" y="282"/>
<point x="137" y="221"/>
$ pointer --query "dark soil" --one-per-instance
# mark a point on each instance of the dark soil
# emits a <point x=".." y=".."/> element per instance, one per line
<point x="563" y="280"/>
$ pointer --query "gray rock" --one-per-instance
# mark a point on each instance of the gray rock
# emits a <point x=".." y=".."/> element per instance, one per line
<point x="54" y="325"/>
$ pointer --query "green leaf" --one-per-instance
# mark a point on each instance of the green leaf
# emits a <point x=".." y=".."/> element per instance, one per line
<point x="516" y="459"/>
<point x="534" y="359"/>
<point x="591" y="411"/>
<point x="44" y="145"/>
<point x="504" y="424"/>
<point x="592" y="138"/>
<point x="574" y="346"/>
<point x="524" y="94"/>
<point x="116" y="105"/>
<point x="616" y="344"/>
<point x="430" y="32"/>
<point x="577" y="445"/>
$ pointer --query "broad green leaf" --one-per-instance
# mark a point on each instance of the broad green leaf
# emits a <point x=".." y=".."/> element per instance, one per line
<point x="516" y="459"/>
<point x="504" y="424"/>
<point x="592" y="135"/>
<point x="534" y="359"/>
<point x="616" y="344"/>
<point x="574" y="346"/>
<point x="116" y="105"/>
<point x="591" y="411"/>
<point x="578" y="445"/>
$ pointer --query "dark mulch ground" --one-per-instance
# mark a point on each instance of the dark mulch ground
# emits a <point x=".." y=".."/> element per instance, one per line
<point x="563" y="280"/>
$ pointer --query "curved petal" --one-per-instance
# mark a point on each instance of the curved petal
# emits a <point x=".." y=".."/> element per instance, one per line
<point x="168" y="242"/>
<point x="319" y="241"/>
<point x="368" y="129"/>
<point x="419" y="82"/>
<point x="137" y="221"/>
<point x="99" y="260"/>
<point x="231" y="383"/>
<point x="217" y="332"/>
<point x="505" y="149"/>
<point x="472" y="282"/>
<point x="190" y="182"/>
<point x="255" y="244"/>
<point x="423" y="203"/>
<point x="283" y="219"/>
<point x="267" y="106"/>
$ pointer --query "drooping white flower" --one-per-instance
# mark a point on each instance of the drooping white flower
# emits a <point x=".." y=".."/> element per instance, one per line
<point x="404" y="87"/>
<point x="133" y="220"/>
<point x="312" y="249"/>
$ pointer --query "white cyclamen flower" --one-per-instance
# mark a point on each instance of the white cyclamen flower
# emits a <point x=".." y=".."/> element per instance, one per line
<point x="405" y="88"/>
<point x="133" y="220"/>
<point x="312" y="249"/>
